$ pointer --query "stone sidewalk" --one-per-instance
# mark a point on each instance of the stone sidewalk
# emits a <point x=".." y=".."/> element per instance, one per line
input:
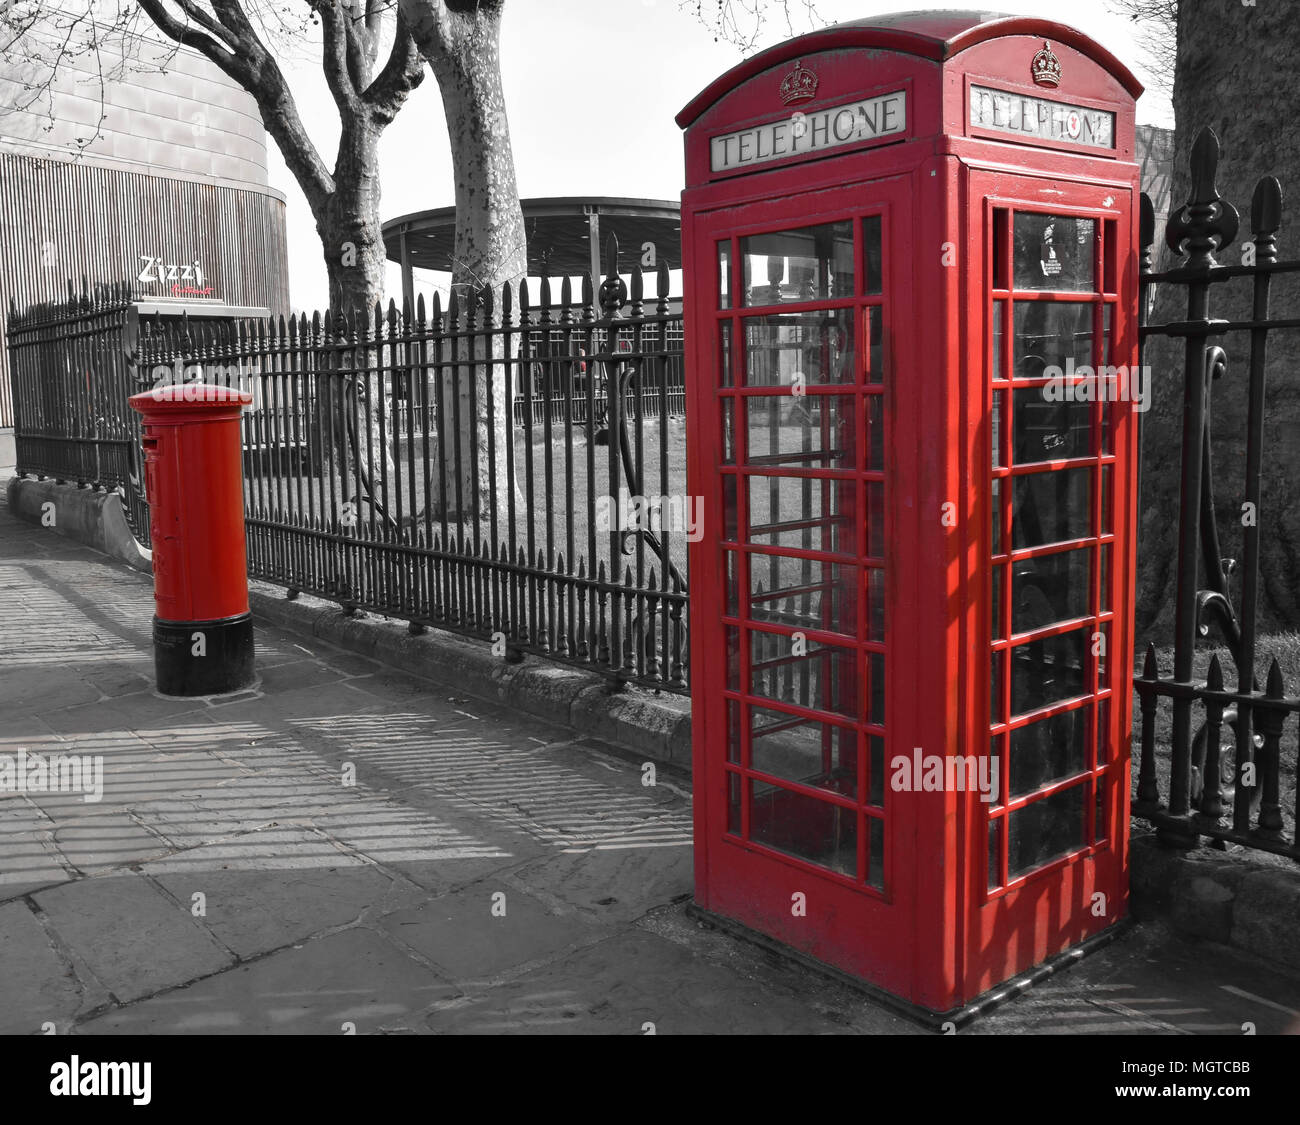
<point x="346" y="848"/>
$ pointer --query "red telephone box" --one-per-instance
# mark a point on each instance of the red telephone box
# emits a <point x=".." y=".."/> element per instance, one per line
<point x="910" y="290"/>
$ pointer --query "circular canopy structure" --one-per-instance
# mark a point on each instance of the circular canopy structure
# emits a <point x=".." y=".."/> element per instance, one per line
<point x="566" y="235"/>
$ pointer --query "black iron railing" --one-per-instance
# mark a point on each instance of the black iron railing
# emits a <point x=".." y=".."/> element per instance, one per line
<point x="71" y="374"/>
<point x="463" y="468"/>
<point x="1235" y="793"/>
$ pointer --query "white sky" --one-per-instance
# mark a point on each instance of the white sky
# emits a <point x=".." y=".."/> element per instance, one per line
<point x="592" y="87"/>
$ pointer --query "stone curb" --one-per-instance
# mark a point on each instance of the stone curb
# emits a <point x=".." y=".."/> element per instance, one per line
<point x="1219" y="896"/>
<point x="87" y="515"/>
<point x="658" y="726"/>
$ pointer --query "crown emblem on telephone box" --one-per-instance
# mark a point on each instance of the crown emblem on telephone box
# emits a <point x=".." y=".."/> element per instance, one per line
<point x="799" y="85"/>
<point x="1046" y="67"/>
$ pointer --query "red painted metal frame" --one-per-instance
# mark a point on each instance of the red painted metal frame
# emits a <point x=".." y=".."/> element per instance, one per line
<point x="936" y="934"/>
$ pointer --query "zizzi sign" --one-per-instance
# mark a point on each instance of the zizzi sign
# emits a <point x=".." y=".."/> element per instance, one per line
<point x="184" y="280"/>
<point x="804" y="134"/>
<point x="1040" y="118"/>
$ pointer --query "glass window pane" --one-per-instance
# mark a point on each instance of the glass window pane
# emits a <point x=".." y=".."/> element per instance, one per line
<point x="876" y="688"/>
<point x="1048" y="333"/>
<point x="876" y="751"/>
<point x="996" y="712"/>
<point x="799" y="349"/>
<point x="871" y="249"/>
<point x="876" y="853"/>
<point x="876" y="432"/>
<point x="1103" y="732"/>
<point x="1049" y="671"/>
<point x="1051" y="507"/>
<point x="999" y="576"/>
<point x="875" y="348"/>
<point x="804" y="672"/>
<point x="802" y="431"/>
<point x="807" y="512"/>
<point x="733" y="731"/>
<point x="733" y="803"/>
<point x="875" y="604"/>
<point x="1050" y="589"/>
<point x="998" y="373"/>
<point x="803" y="826"/>
<point x="803" y="593"/>
<point x="1045" y="830"/>
<point x="995" y="517"/>
<point x="1054" y="252"/>
<point x="1047" y="430"/>
<point x="724" y="274"/>
<point x="807" y="264"/>
<point x="808" y="751"/>
<point x="1047" y="751"/>
<point x="998" y="431"/>
<point x="724" y="354"/>
<point x="876" y="519"/>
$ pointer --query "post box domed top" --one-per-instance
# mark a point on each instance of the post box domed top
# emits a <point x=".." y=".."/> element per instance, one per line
<point x="194" y="397"/>
<point x="935" y="36"/>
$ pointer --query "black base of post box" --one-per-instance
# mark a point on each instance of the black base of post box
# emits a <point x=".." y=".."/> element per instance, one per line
<point x="203" y="657"/>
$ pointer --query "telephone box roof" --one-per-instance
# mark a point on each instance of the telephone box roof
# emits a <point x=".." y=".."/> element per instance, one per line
<point x="929" y="35"/>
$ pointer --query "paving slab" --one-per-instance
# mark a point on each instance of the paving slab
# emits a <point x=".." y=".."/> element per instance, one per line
<point x="96" y="844"/>
<point x="612" y="884"/>
<point x="486" y="930"/>
<point x="28" y="858"/>
<point x="44" y="688"/>
<point x="636" y="983"/>
<point x="1151" y="983"/>
<point x="135" y="939"/>
<point x="352" y="977"/>
<point x="261" y="895"/>
<point x="38" y="984"/>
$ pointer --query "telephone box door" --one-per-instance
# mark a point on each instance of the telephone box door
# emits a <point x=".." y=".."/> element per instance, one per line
<point x="796" y="308"/>
<point x="1055" y="556"/>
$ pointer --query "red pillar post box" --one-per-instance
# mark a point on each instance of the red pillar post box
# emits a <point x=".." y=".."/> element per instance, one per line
<point x="910" y="297"/>
<point x="202" y="628"/>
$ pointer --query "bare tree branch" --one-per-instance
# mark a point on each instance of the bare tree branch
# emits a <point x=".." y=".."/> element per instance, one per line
<point x="1158" y="20"/>
<point x="253" y="68"/>
<point x="743" y="23"/>
<point x="402" y="73"/>
<point x="335" y="55"/>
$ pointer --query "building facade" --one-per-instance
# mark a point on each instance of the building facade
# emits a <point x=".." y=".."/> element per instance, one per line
<point x="140" y="164"/>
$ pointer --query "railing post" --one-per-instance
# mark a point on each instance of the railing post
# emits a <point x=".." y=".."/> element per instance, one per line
<point x="1205" y="224"/>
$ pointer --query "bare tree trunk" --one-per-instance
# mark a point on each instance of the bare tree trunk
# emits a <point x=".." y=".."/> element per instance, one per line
<point x="348" y="222"/>
<point x="461" y="41"/>
<point x="1236" y="71"/>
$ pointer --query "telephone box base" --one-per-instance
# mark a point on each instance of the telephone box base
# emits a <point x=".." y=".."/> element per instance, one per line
<point x="935" y="1021"/>
<point x="194" y="658"/>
